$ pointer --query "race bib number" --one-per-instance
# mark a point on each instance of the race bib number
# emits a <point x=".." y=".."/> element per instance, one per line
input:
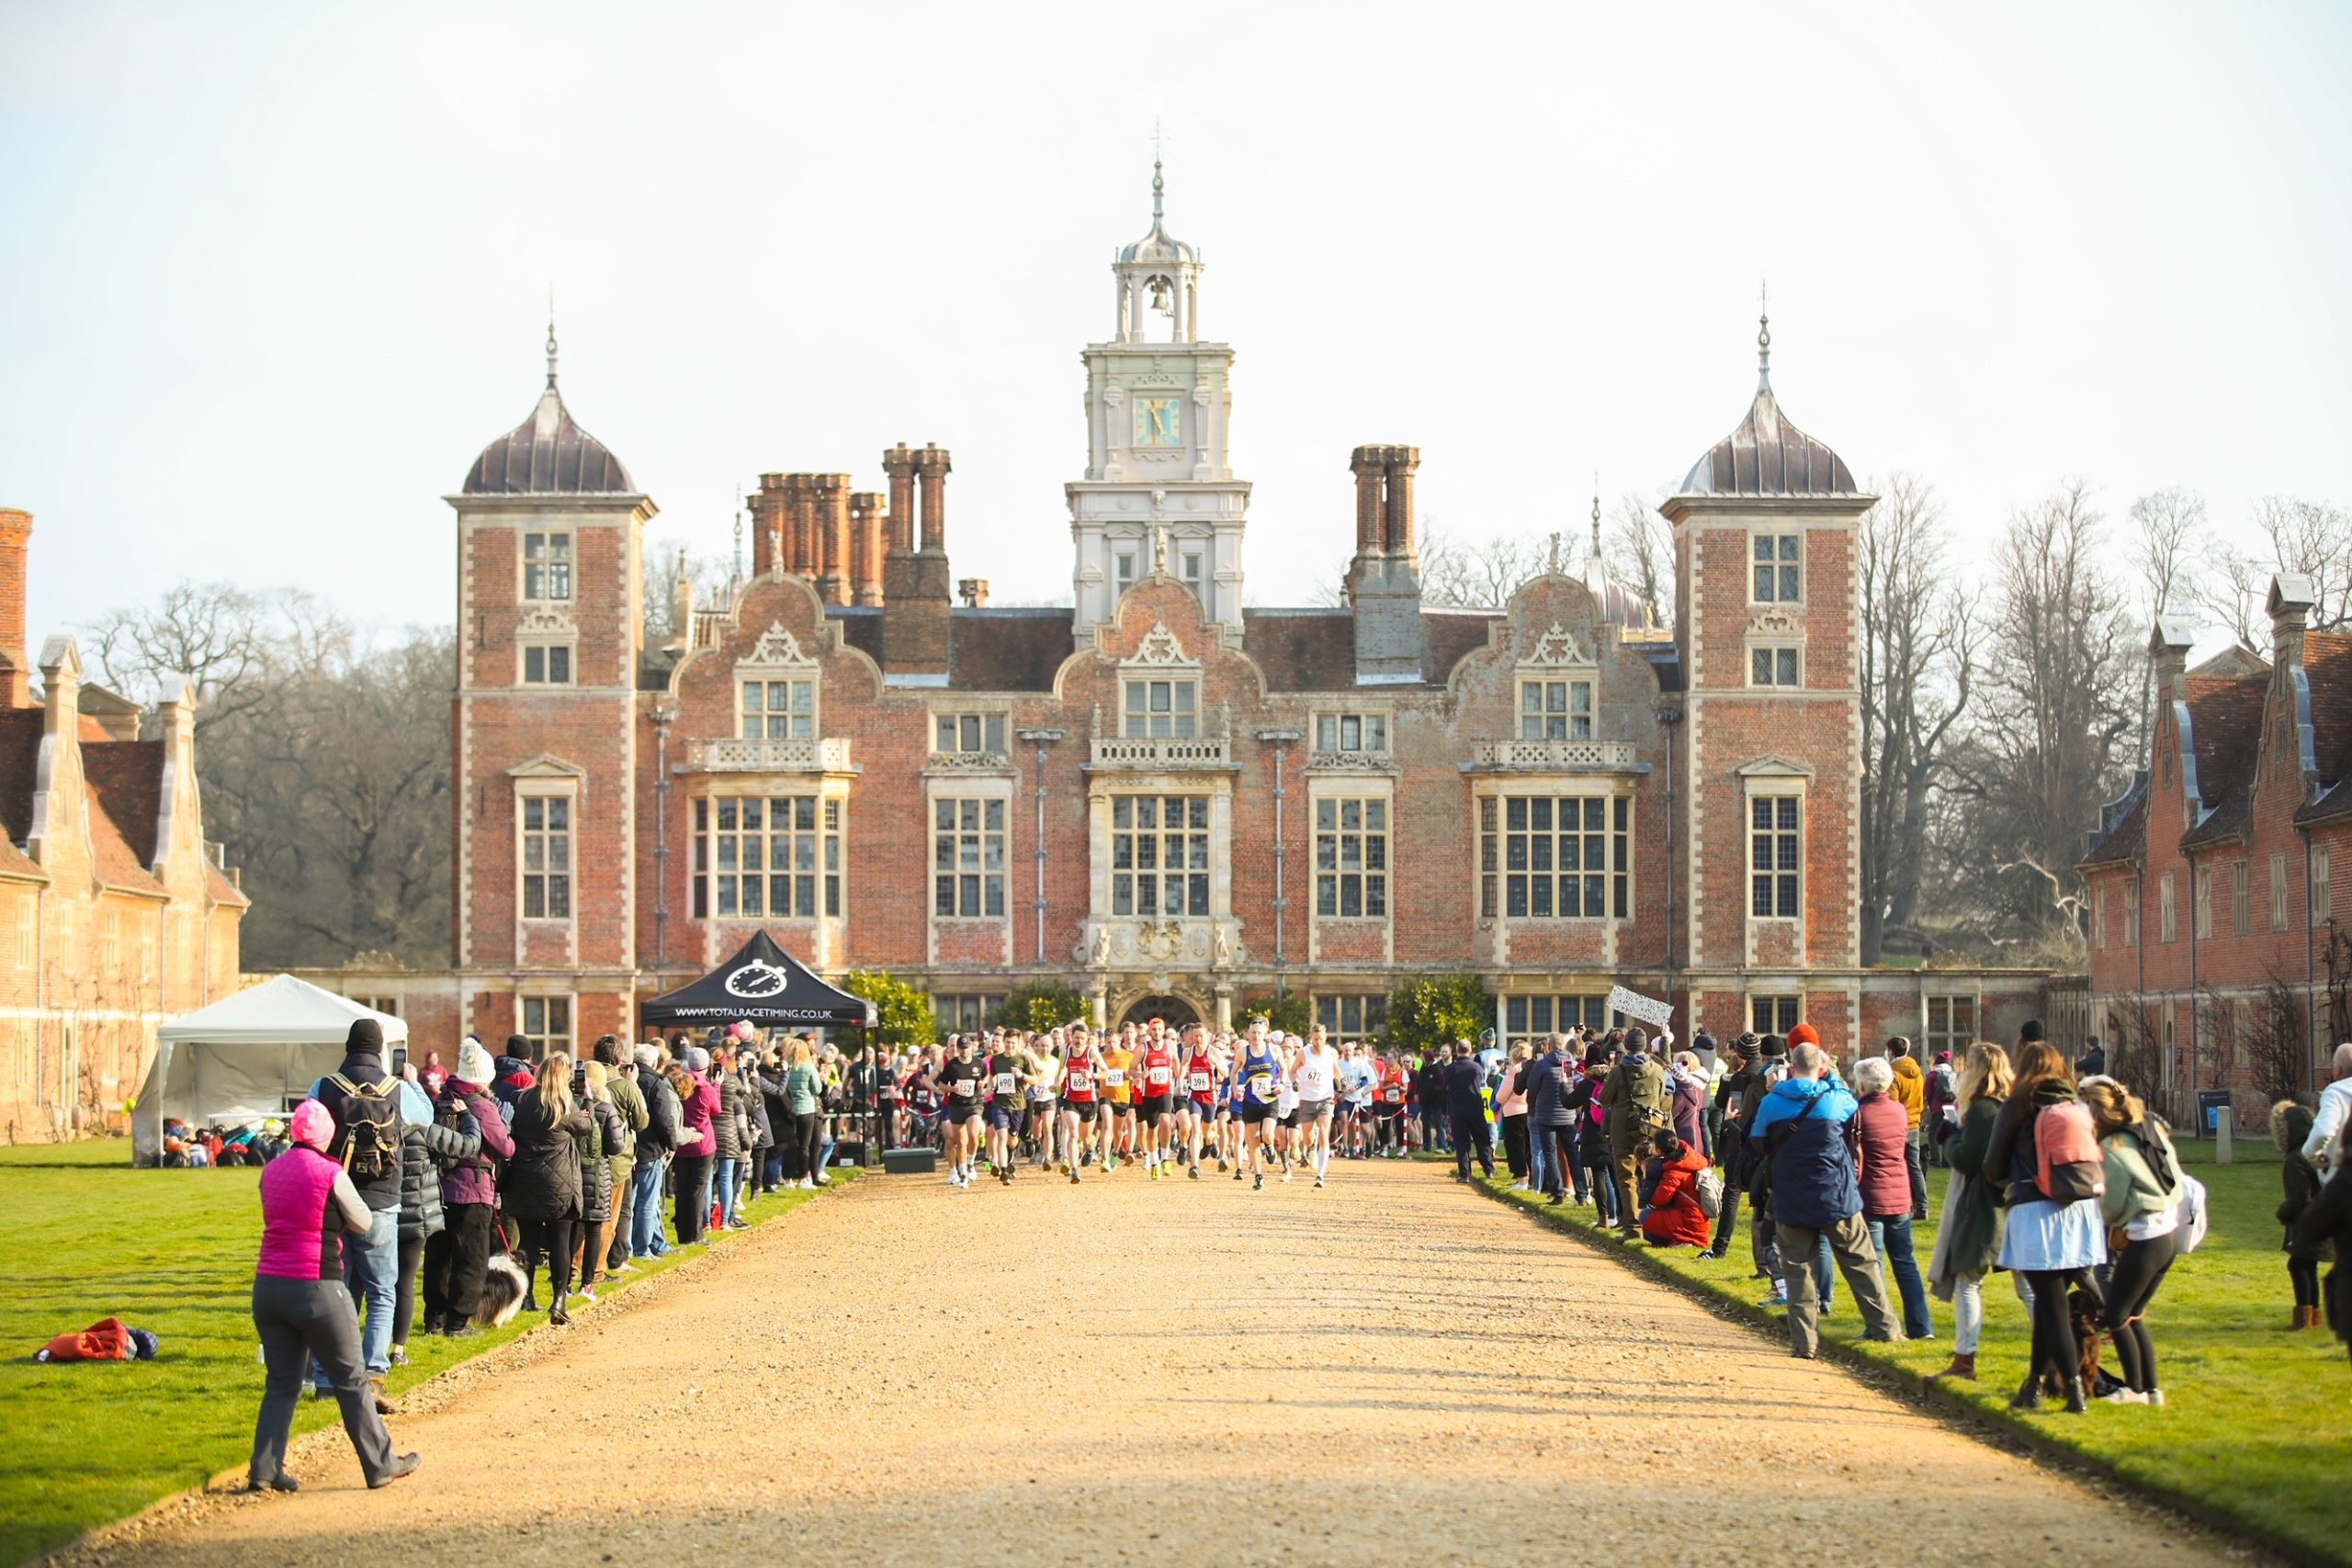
<point x="1160" y="1076"/>
<point x="1114" y="1077"/>
<point x="1200" y="1082"/>
<point x="1081" y="1082"/>
<point x="1261" y="1084"/>
<point x="1393" y="1096"/>
<point x="1006" y="1083"/>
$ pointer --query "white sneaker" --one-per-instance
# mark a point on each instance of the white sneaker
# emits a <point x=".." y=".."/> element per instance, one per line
<point x="2123" y="1396"/>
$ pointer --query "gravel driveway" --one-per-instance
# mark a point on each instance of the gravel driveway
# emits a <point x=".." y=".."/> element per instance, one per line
<point x="1393" y="1369"/>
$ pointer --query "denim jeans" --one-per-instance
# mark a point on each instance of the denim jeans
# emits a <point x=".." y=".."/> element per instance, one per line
<point x="645" y="1237"/>
<point x="729" y="1188"/>
<point x="1891" y="1235"/>
<point x="1540" y="1176"/>
<point x="371" y="1270"/>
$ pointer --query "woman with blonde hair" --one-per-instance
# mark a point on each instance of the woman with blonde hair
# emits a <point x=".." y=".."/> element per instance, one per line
<point x="2142" y="1208"/>
<point x="541" y="1189"/>
<point x="805" y="1089"/>
<point x="1969" y="1241"/>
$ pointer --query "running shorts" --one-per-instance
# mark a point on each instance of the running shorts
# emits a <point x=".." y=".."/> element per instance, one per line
<point x="1312" y="1110"/>
<point x="1258" y="1113"/>
<point x="1081" y="1109"/>
<point x="959" y="1114"/>
<point x="1007" y="1117"/>
<point x="1154" y="1107"/>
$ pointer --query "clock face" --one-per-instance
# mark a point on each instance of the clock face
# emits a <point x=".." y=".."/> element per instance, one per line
<point x="1159" y="422"/>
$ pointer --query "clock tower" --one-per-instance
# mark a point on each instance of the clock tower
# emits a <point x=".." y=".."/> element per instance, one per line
<point x="1158" y="495"/>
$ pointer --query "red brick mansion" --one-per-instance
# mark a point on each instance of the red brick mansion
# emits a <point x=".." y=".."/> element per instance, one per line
<point x="1157" y="796"/>
<point x="2215" y="885"/>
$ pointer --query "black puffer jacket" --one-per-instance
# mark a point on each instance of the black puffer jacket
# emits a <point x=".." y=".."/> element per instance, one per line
<point x="424" y="1148"/>
<point x="542" y="1181"/>
<point x="609" y="1131"/>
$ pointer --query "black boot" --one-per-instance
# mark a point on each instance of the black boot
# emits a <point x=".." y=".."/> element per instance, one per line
<point x="2029" y="1396"/>
<point x="2075" y="1403"/>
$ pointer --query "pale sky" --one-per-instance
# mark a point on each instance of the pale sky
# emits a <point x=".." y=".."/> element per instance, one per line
<point x="273" y="274"/>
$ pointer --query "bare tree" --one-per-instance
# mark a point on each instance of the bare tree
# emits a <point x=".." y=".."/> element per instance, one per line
<point x="666" y="567"/>
<point x="1483" y="576"/>
<point x="1638" y="551"/>
<point x="324" y="764"/>
<point x="2169" y="532"/>
<point x="2275" y="1045"/>
<point x="1919" y="656"/>
<point x="2055" y="707"/>
<point x="2306" y="539"/>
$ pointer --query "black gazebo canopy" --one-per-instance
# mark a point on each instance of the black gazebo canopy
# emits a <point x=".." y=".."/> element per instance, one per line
<point x="765" y="985"/>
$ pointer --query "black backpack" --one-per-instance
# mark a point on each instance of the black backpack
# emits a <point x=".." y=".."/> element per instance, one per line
<point x="368" y="1129"/>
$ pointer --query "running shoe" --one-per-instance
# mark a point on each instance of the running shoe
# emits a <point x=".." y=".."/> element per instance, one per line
<point x="1318" y="1181"/>
<point x="1073" y="1178"/>
<point x="1260" y="1186"/>
<point x="1195" y="1172"/>
<point x="1220" y="1165"/>
<point x="1239" y="1173"/>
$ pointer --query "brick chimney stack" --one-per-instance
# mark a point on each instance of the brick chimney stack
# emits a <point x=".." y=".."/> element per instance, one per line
<point x="1401" y="463"/>
<point x="1383" y="582"/>
<point x="2168" y="648"/>
<point x="1371" y="509"/>
<point x="16" y="668"/>
<point x="867" y="522"/>
<point x="2290" y="604"/>
<point x="933" y="466"/>
<point x="918" y="603"/>
<point x="828" y="539"/>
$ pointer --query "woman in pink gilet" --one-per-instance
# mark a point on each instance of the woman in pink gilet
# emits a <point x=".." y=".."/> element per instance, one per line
<point x="302" y="1309"/>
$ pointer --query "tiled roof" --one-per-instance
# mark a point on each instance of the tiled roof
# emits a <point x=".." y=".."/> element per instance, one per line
<point x="861" y="627"/>
<point x="1302" y="650"/>
<point x="2225" y="721"/>
<point x="2328" y="669"/>
<point x="117" y="864"/>
<point x="1011" y="649"/>
<point x="1447" y="636"/>
<point x="2125" y="842"/>
<point x="128" y="777"/>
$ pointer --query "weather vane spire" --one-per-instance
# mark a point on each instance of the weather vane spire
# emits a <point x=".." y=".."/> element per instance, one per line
<point x="550" y="334"/>
<point x="1763" y="338"/>
<point x="1158" y="185"/>
<point x="1596" y="514"/>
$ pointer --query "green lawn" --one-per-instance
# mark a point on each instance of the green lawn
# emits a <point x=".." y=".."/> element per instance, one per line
<point x="85" y="1236"/>
<point x="2257" y="1426"/>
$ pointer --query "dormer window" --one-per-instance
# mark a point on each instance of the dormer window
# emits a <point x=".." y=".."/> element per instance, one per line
<point x="779" y="710"/>
<point x="1556" y="710"/>
<point x="1161" y="708"/>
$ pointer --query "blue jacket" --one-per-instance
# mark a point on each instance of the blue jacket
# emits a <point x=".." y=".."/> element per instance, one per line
<point x="1546" y="1092"/>
<point x="1814" y="1184"/>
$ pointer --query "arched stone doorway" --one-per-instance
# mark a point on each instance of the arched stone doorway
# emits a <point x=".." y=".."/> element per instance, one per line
<point x="1174" y="1010"/>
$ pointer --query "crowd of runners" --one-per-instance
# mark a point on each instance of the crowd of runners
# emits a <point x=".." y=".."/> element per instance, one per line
<point x="1163" y="1101"/>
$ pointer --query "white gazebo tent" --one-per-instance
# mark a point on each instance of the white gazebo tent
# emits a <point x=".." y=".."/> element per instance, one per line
<point x="251" y="1055"/>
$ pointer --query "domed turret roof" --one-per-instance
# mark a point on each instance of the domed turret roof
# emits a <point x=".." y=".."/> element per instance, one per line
<point x="1765" y="454"/>
<point x="548" y="454"/>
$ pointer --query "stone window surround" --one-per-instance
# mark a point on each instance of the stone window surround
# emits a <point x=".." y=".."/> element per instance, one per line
<point x="546" y="777"/>
<point x="778" y="656"/>
<point x="1608" y="787"/>
<point x="1218" y="786"/>
<point x="965" y="785"/>
<point x="1774" y="777"/>
<point x="827" y="929"/>
<point x="569" y="558"/>
<point x="1775" y="644"/>
<point x="1353" y="784"/>
<point x="571" y="1016"/>
<point x="1749" y="563"/>
<point x="545" y="627"/>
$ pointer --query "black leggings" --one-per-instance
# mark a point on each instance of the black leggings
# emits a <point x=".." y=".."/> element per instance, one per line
<point x="552" y="1240"/>
<point x="2305" y="1272"/>
<point x="2139" y="1269"/>
<point x="405" y="1299"/>
<point x="2054" y="1349"/>
<point x="808" y="1133"/>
